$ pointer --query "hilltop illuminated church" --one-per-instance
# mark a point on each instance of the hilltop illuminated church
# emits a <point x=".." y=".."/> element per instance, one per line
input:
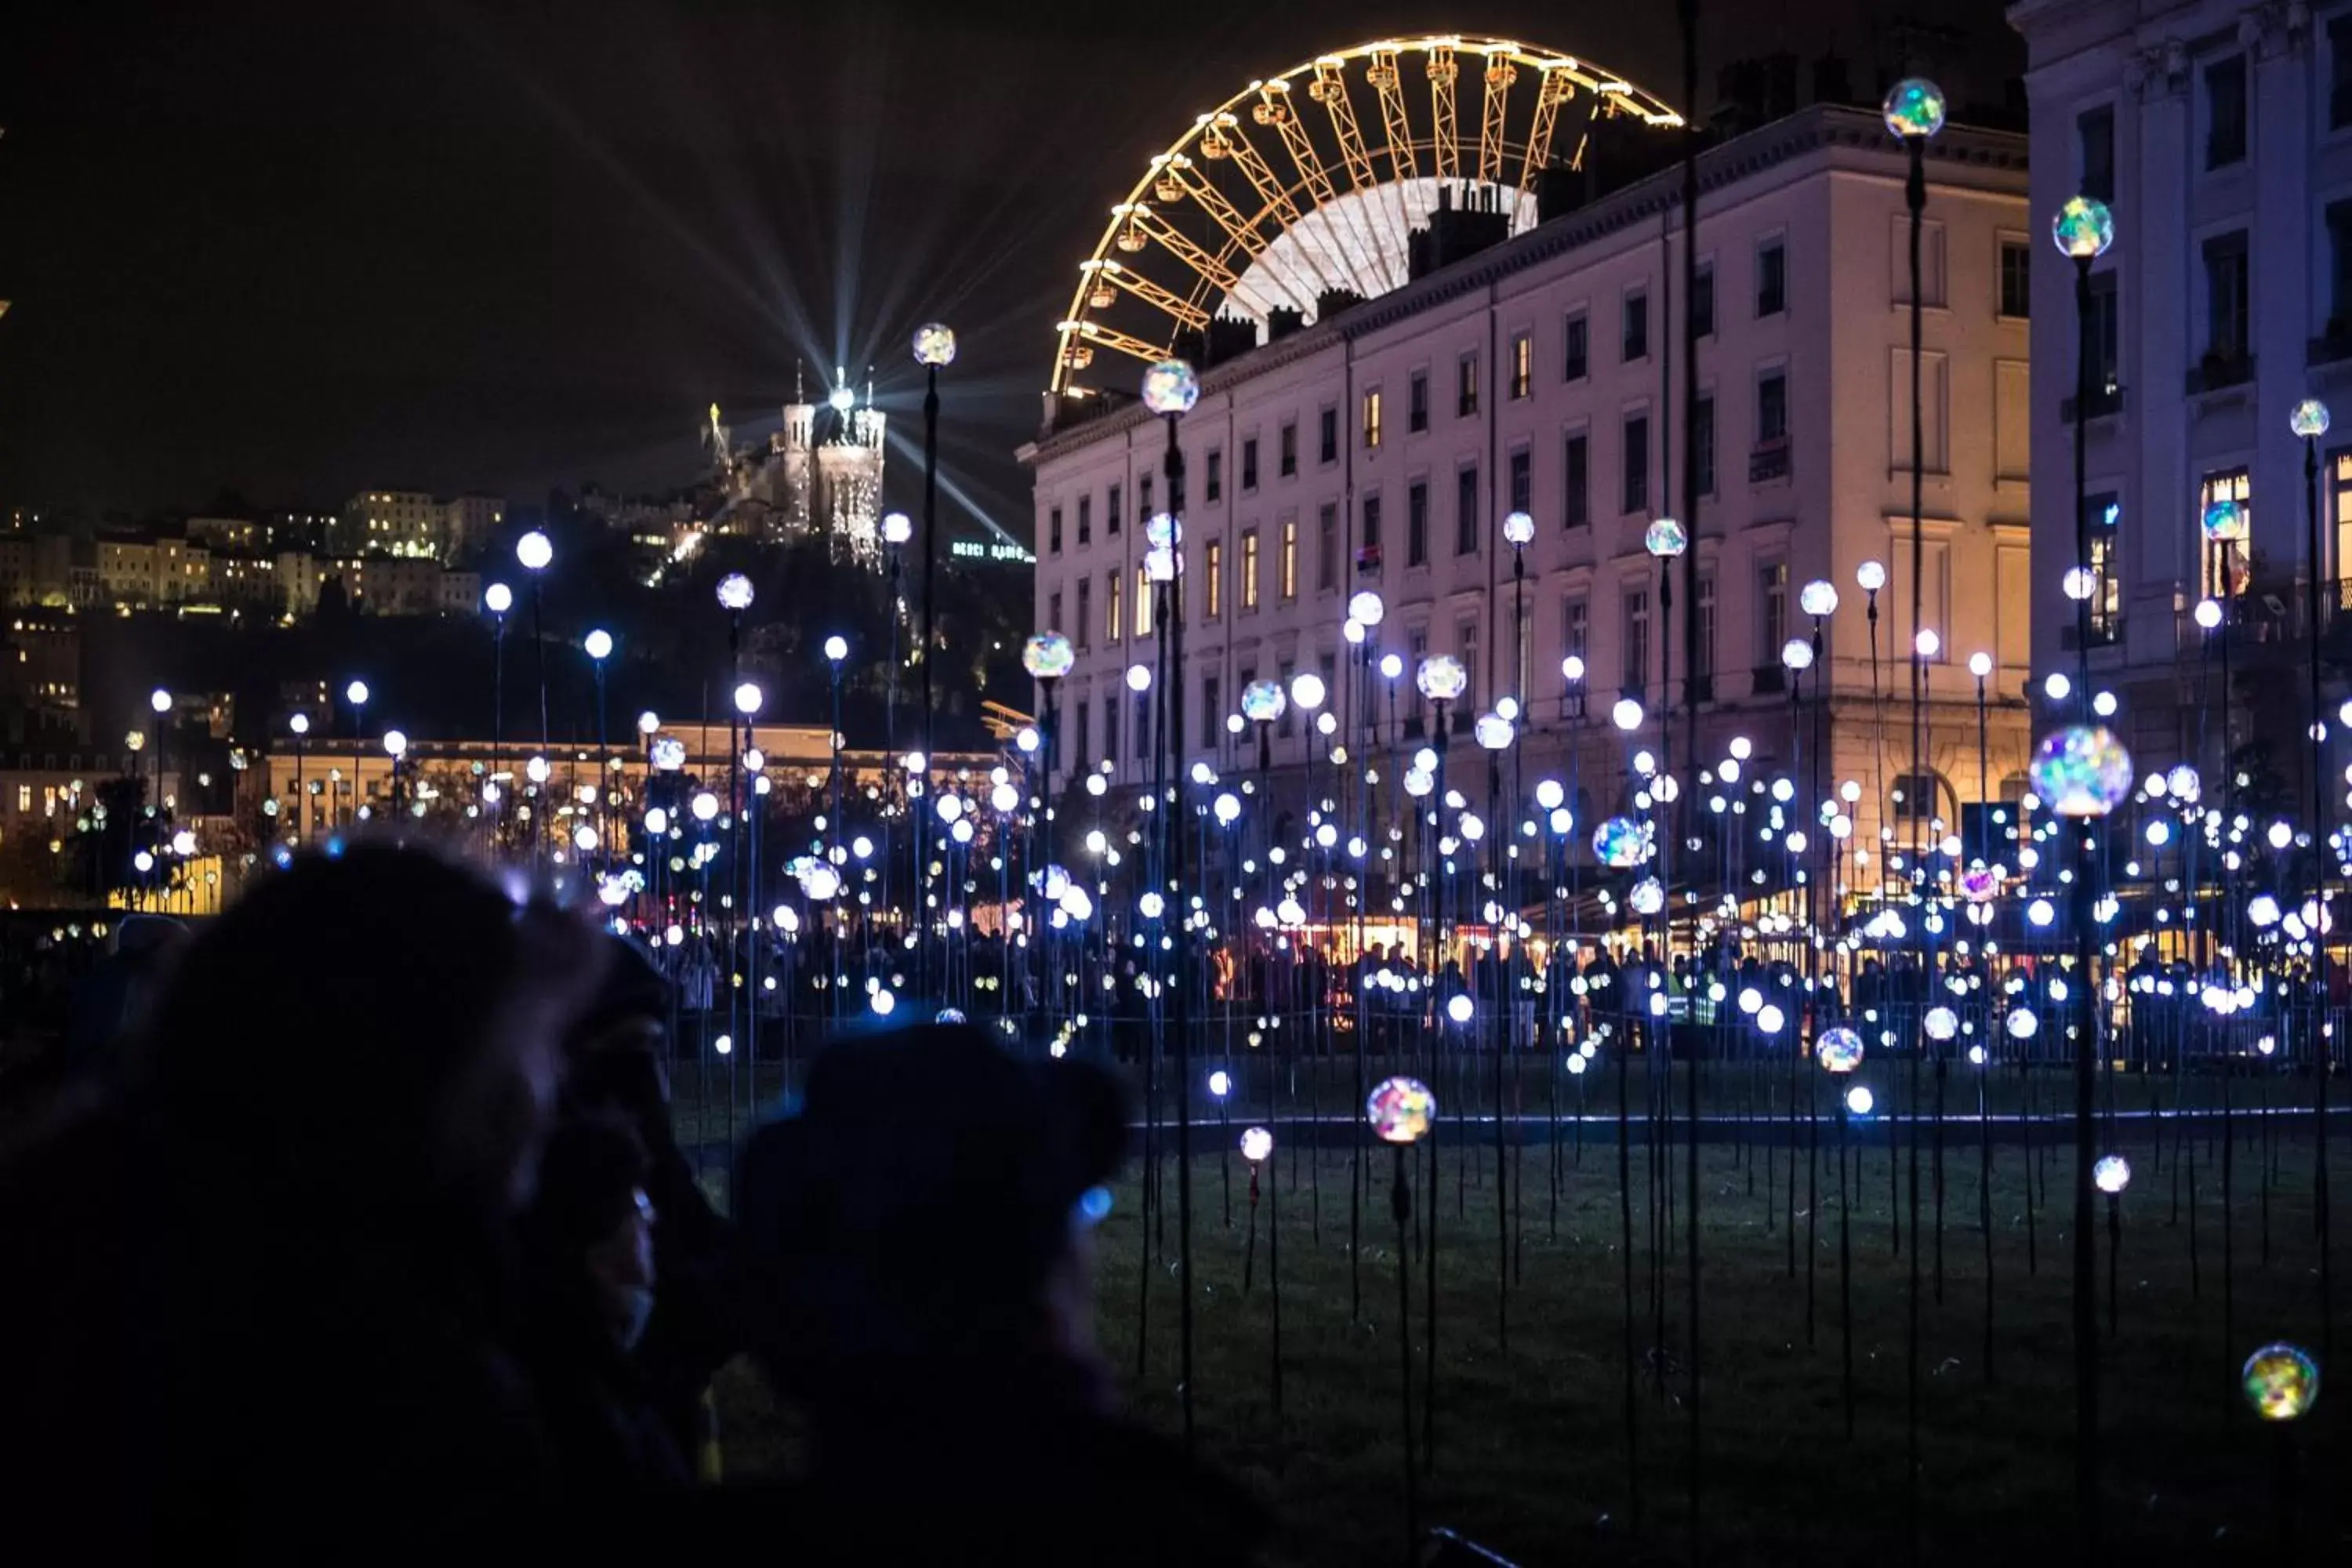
<point x="821" y="473"/>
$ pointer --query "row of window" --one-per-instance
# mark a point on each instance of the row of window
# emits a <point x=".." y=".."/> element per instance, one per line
<point x="1638" y="652"/>
<point x="1767" y="461"/>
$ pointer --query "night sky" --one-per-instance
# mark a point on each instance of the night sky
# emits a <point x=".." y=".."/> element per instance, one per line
<point x="294" y="250"/>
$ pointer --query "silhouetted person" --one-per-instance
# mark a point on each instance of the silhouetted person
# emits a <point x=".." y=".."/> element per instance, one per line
<point x="273" y="1270"/>
<point x="924" y="1229"/>
<point x="590" y="1286"/>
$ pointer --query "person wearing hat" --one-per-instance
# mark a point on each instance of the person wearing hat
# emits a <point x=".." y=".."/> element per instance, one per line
<point x="920" y="1241"/>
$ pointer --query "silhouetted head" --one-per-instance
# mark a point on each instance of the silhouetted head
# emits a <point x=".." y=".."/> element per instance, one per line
<point x="376" y="1030"/>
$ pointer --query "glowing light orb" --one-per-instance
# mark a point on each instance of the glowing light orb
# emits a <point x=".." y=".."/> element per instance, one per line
<point x="819" y="882"/>
<point x="1262" y="701"/>
<point x="2112" y="1175"/>
<point x="1517" y="529"/>
<point x="1647" y="896"/>
<point x="668" y="753"/>
<point x="2023" y="1024"/>
<point x="1870" y="576"/>
<point x="748" y="698"/>
<point x="949" y="1015"/>
<point x="1256" y="1144"/>
<point x="1221" y="1083"/>
<point x="1366" y="608"/>
<point x="2309" y="419"/>
<point x="1170" y="387"/>
<point x="2224" y="522"/>
<point x="1839" y="1049"/>
<point x="498" y="598"/>
<point x="1621" y="842"/>
<point x="1306" y="690"/>
<point x="837" y="649"/>
<point x="1440" y="678"/>
<point x="1494" y="731"/>
<point x="735" y="594"/>
<point x="1459" y="1008"/>
<point x="356" y="693"/>
<point x="1941" y="1022"/>
<point x="1665" y="538"/>
<point x="395" y="744"/>
<point x="598" y="645"/>
<point x="1980" y="884"/>
<point x="535" y="551"/>
<point x="1048" y="656"/>
<point x="897" y="528"/>
<point x="1859" y="1101"/>
<point x="1818" y="598"/>
<point x="935" y="344"/>
<point x="2081" y="770"/>
<point x="2083" y="228"/>
<point x="2280" y="1380"/>
<point x="1401" y="1110"/>
<point x="1914" y="107"/>
<point x="1797" y="654"/>
<point x="1626" y="715"/>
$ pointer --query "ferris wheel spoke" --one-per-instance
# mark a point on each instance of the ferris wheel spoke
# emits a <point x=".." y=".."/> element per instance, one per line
<point x="1444" y="140"/>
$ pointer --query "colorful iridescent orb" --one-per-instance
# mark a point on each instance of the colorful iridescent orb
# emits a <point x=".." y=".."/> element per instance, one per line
<point x="1162" y="532"/>
<point x="1494" y="731"/>
<point x="1646" y="897"/>
<point x="1170" y="387"/>
<point x="2084" y="227"/>
<point x="1401" y="1110"/>
<point x="2224" y="522"/>
<point x="1366" y="608"/>
<point x="1665" y="538"/>
<point x="1839" y="1049"/>
<point x="1048" y="656"/>
<point x="2309" y="419"/>
<point x="934" y="343"/>
<point x="2111" y="1174"/>
<point x="2081" y="771"/>
<point x="1980" y="884"/>
<point x="1257" y="1142"/>
<point x="1621" y="843"/>
<point x="1262" y="701"/>
<point x="1818" y="598"/>
<point x="949" y="1014"/>
<point x="1941" y="1022"/>
<point x="1519" y="528"/>
<point x="2280" y="1380"/>
<point x="1440" y="678"/>
<point x="1914" y="107"/>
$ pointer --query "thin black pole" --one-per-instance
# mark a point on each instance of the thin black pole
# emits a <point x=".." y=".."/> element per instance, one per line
<point x="1914" y="192"/>
<point x="1181" y="1009"/>
<point x="1691" y="675"/>
<point x="930" y="630"/>
<point x="2322" y="1047"/>
<point x="2085" y="1314"/>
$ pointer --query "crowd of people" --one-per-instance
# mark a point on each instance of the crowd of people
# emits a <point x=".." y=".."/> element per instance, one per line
<point x="363" y="1236"/>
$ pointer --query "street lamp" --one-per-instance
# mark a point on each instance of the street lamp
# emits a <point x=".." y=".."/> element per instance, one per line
<point x="395" y="746"/>
<point x="2310" y="422"/>
<point x="299" y="723"/>
<point x="355" y="694"/>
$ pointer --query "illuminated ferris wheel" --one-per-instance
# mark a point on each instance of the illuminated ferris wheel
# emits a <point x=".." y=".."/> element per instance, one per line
<point x="1308" y="183"/>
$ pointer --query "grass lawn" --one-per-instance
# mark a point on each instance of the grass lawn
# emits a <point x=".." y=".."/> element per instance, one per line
<point x="1530" y="1455"/>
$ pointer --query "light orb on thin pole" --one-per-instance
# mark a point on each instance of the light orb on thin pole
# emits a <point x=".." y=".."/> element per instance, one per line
<point x="735" y="593"/>
<point x="535" y="551"/>
<point x="1366" y="608"/>
<point x="2083" y="228"/>
<point x="1914" y="107"/>
<point x="2081" y="770"/>
<point x="1172" y="386"/>
<point x="935" y="345"/>
<point x="1048" y="655"/>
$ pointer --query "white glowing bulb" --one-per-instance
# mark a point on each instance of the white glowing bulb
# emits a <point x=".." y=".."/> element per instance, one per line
<point x="534" y="551"/>
<point x="598" y="645"/>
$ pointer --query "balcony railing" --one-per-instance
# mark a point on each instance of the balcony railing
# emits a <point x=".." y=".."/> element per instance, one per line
<point x="2221" y="369"/>
<point x="2105" y="400"/>
<point x="1768" y="461"/>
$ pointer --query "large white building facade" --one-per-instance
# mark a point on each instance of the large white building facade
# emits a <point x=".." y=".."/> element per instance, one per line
<point x="2220" y="133"/>
<point x="1382" y="446"/>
